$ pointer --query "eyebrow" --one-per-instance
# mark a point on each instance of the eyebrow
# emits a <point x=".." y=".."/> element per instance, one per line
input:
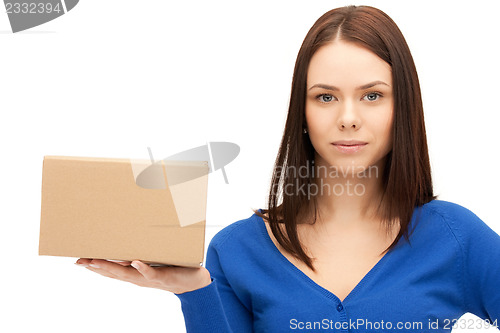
<point x="364" y="86"/>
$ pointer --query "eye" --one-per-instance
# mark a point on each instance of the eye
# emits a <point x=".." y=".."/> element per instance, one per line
<point x="373" y="96"/>
<point x="325" y="98"/>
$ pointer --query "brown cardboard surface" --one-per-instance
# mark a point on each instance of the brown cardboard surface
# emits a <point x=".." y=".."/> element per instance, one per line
<point x="93" y="208"/>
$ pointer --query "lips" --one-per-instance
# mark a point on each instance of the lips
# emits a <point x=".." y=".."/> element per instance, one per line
<point x="348" y="143"/>
<point x="349" y="146"/>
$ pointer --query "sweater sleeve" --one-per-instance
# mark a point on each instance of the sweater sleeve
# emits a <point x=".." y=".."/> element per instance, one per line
<point x="215" y="308"/>
<point x="481" y="257"/>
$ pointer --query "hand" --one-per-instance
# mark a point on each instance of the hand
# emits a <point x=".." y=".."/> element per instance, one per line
<point x="174" y="279"/>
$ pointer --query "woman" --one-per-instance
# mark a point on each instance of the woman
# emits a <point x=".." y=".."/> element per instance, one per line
<point x="358" y="241"/>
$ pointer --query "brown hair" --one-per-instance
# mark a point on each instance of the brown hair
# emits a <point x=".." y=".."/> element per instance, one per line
<point x="406" y="176"/>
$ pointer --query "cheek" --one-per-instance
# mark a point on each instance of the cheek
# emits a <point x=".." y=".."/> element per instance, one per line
<point x="309" y="116"/>
<point x="318" y="120"/>
<point x="383" y="129"/>
<point x="315" y="127"/>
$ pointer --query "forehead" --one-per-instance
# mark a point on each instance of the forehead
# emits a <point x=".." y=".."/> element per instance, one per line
<point x="346" y="64"/>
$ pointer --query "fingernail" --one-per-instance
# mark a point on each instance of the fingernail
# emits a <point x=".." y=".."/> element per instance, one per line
<point x="94" y="266"/>
<point x="135" y="265"/>
<point x="81" y="265"/>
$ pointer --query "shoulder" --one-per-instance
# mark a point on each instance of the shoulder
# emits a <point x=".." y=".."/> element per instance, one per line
<point x="453" y="214"/>
<point x="238" y="233"/>
<point x="449" y="209"/>
<point x="239" y="249"/>
<point x="461" y="221"/>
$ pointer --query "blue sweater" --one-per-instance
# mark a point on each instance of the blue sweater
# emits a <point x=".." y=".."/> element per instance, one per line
<point x="451" y="266"/>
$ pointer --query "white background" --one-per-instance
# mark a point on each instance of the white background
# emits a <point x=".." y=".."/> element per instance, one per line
<point x="111" y="78"/>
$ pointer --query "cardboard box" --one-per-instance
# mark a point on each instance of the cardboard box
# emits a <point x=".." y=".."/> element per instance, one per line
<point x="122" y="209"/>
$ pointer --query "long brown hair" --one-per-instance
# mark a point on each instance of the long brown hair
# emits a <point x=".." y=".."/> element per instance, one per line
<point x="406" y="176"/>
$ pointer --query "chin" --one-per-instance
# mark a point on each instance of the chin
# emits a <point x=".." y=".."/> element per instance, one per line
<point x="346" y="166"/>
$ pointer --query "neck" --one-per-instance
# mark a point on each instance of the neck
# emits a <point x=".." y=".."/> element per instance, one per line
<point x="349" y="197"/>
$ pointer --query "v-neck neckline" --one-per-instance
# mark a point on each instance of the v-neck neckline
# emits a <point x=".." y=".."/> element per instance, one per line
<point x="304" y="277"/>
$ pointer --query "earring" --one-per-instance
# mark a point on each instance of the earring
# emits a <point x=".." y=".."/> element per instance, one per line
<point x="305" y="130"/>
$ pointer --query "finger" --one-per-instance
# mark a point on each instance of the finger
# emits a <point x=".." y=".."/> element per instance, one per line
<point x="101" y="272"/>
<point x="112" y="270"/>
<point x="83" y="261"/>
<point x="119" y="271"/>
<point x="145" y="270"/>
<point x="121" y="262"/>
<point x="86" y="262"/>
<point x="124" y="263"/>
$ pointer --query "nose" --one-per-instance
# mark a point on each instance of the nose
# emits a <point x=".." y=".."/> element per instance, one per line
<point x="348" y="117"/>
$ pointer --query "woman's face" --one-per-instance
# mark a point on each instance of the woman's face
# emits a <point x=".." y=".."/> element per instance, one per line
<point x="349" y="97"/>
